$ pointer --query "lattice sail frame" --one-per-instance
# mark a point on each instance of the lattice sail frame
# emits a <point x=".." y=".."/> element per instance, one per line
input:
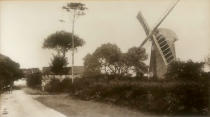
<point x="164" y="48"/>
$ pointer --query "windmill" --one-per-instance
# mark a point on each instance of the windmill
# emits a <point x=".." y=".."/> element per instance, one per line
<point x="163" y="49"/>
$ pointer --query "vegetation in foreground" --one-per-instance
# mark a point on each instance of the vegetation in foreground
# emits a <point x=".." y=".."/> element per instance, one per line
<point x="9" y="72"/>
<point x="183" y="92"/>
<point x="166" y="97"/>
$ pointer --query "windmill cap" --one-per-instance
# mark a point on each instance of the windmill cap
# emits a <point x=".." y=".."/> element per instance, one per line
<point x="169" y="34"/>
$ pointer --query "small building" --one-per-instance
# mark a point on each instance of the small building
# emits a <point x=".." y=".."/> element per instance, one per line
<point x="47" y="74"/>
<point x="78" y="72"/>
<point x="28" y="71"/>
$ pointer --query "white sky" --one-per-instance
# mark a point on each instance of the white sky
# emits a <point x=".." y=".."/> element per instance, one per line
<point x="25" y="24"/>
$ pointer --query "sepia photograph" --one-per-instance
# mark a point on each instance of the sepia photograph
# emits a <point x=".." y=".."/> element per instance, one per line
<point x="104" y="58"/>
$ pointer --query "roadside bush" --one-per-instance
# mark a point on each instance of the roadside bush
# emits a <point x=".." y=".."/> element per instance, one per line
<point x="185" y="70"/>
<point x="163" y="97"/>
<point x="53" y="86"/>
<point x="168" y="97"/>
<point x="34" y="80"/>
<point x="58" y="64"/>
<point x="66" y="85"/>
<point x="189" y="99"/>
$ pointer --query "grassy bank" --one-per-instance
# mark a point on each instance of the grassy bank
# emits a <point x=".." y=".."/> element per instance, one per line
<point x="31" y="91"/>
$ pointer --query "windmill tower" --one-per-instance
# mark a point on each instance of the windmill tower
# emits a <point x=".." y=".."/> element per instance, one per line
<point x="163" y="48"/>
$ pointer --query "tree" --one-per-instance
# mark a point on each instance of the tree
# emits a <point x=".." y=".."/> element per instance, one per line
<point x="77" y="9"/>
<point x="34" y="80"/>
<point x="9" y="71"/>
<point x="91" y="66"/>
<point x="136" y="57"/>
<point x="61" y="42"/>
<point x="188" y="70"/>
<point x="58" y="64"/>
<point x="109" y="59"/>
<point x="108" y="55"/>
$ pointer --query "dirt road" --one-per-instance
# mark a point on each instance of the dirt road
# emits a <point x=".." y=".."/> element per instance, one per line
<point x="19" y="104"/>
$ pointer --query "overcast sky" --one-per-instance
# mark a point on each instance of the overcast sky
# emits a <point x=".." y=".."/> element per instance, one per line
<point x="25" y="24"/>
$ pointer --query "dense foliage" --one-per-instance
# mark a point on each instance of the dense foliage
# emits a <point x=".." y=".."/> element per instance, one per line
<point x="91" y="66"/>
<point x="135" y="57"/>
<point x="185" y="70"/>
<point x="108" y="59"/>
<point x="53" y="86"/>
<point x="181" y="95"/>
<point x="9" y="71"/>
<point x="78" y="7"/>
<point x="58" y="65"/>
<point x="158" y="97"/>
<point x="34" y="80"/>
<point x="61" y="42"/>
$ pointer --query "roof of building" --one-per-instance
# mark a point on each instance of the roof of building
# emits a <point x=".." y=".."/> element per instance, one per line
<point x="77" y="70"/>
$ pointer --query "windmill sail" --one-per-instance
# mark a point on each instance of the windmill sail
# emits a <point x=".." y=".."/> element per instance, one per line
<point x="143" y="23"/>
<point x="153" y="65"/>
<point x="158" y="40"/>
<point x="151" y="33"/>
<point x="164" y="48"/>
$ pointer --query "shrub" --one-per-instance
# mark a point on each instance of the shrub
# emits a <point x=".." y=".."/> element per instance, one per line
<point x="165" y="97"/>
<point x="168" y="97"/>
<point x="66" y="85"/>
<point x="53" y="86"/>
<point x="187" y="99"/>
<point x="58" y="64"/>
<point x="34" y="80"/>
<point x="182" y="70"/>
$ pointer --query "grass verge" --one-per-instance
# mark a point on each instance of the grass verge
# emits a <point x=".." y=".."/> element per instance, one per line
<point x="71" y="106"/>
<point x="31" y="91"/>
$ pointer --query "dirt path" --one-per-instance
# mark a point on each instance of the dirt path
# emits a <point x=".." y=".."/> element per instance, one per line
<point x="19" y="104"/>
